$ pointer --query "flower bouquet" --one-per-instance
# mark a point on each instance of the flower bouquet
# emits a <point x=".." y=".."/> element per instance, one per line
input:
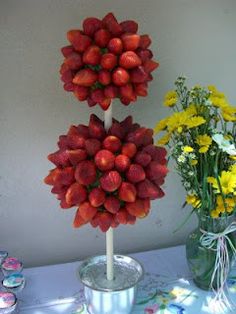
<point x="201" y="136"/>
<point x="108" y="170"/>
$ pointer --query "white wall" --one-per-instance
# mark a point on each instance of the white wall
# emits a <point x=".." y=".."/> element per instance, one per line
<point x="191" y="37"/>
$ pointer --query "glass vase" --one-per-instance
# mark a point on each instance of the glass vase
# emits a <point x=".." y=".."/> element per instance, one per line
<point x="201" y="260"/>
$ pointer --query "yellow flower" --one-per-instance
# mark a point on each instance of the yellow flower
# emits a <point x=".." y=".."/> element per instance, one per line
<point x="203" y="149"/>
<point x="170" y="98"/>
<point x="227" y="182"/>
<point x="229" y="113"/>
<point x="195" y="121"/>
<point x="191" y="110"/>
<point x="193" y="200"/>
<point x="161" y="125"/>
<point x="164" y="139"/>
<point x="194" y="162"/>
<point x="233" y="169"/>
<point x="214" y="214"/>
<point x="188" y="149"/>
<point x="177" y="121"/>
<point x="204" y="141"/>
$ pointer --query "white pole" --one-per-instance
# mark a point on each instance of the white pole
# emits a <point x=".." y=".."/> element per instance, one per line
<point x="109" y="233"/>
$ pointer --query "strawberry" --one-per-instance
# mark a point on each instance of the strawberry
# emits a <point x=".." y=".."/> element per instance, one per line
<point x="87" y="211"/>
<point x="129" y="60"/>
<point x="120" y="76"/>
<point x="129" y="149"/>
<point x="122" y="163"/>
<point x="156" y="171"/>
<point x="135" y="173"/>
<point x="96" y="128"/>
<point x="150" y="65"/>
<point x="60" y="158"/>
<point x="139" y="208"/>
<point x="131" y="219"/>
<point x="127" y="92"/>
<point x="63" y="203"/>
<point x="130" y="41"/>
<point x="126" y="124"/>
<point x="91" y="25"/>
<point x="67" y="50"/>
<point x="146" y="189"/>
<point x="137" y="136"/>
<point x="74" y="61"/>
<point x="138" y="75"/>
<point x="64" y="68"/>
<point x="92" y="146"/>
<point x="105" y="103"/>
<point x="104" y="160"/>
<point x="63" y="176"/>
<point x="59" y="189"/>
<point x="129" y="26"/>
<point x="127" y="192"/>
<point x="75" y="141"/>
<point x="77" y="155"/>
<point x="112" y="25"/>
<point x="144" y="54"/>
<point x="78" y="221"/>
<point x="102" y="37"/>
<point x="97" y="197"/>
<point x="122" y="216"/>
<point x="79" y="42"/>
<point x="67" y="76"/>
<point x="92" y="55"/>
<point x="81" y="92"/>
<point x="97" y="95"/>
<point x="148" y="137"/>
<point x="115" y="46"/>
<point x="110" y="181"/>
<point x="76" y="194"/>
<point x="62" y="142"/>
<point x="125" y="101"/>
<point x="85" y="172"/>
<point x="69" y="87"/>
<point x="141" y="89"/>
<point x="111" y="91"/>
<point x="50" y="178"/>
<point x="108" y="61"/>
<point x="117" y="130"/>
<point x="145" y="41"/>
<point x="85" y="77"/>
<point x="114" y="223"/>
<point x="104" y="77"/>
<point x="91" y="103"/>
<point x="143" y="159"/>
<point x="157" y="153"/>
<point x="150" y="77"/>
<point x="112" y="143"/>
<point x="104" y="220"/>
<point x="112" y="204"/>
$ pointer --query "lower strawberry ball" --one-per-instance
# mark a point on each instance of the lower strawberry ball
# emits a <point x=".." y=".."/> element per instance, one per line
<point x="111" y="176"/>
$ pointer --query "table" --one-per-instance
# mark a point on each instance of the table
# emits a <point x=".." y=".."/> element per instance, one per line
<point x="166" y="288"/>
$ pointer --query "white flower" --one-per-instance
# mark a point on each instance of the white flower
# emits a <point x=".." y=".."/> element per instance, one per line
<point x="224" y="144"/>
<point x="181" y="158"/>
<point x="191" y="173"/>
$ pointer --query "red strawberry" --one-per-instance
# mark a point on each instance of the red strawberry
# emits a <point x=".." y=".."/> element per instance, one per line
<point x="87" y="211"/>
<point x="110" y="181"/>
<point x="156" y="171"/>
<point x="157" y="153"/>
<point x="112" y="204"/>
<point x="77" y="155"/>
<point x="131" y="219"/>
<point x="148" y="137"/>
<point x="137" y="136"/>
<point x="81" y="92"/>
<point x="60" y="158"/>
<point x="139" y="208"/>
<point x="145" y="41"/>
<point x="91" y="103"/>
<point x="142" y="159"/>
<point x="127" y="123"/>
<point x="135" y="173"/>
<point x="104" y="160"/>
<point x="138" y="75"/>
<point x="74" y="61"/>
<point x="92" y="146"/>
<point x="92" y="55"/>
<point x="105" y="103"/>
<point x="91" y="25"/>
<point x="127" y="192"/>
<point x="67" y="50"/>
<point x="122" y="216"/>
<point x="115" y="46"/>
<point x="78" y="221"/>
<point x="127" y="92"/>
<point x="62" y="143"/>
<point x="112" y="25"/>
<point x="111" y="91"/>
<point x="149" y="78"/>
<point x="146" y="189"/>
<point x="97" y="95"/>
<point x="80" y="42"/>
<point x="117" y="130"/>
<point x="69" y="87"/>
<point x="76" y="194"/>
<point x="104" y="220"/>
<point x="125" y="101"/>
<point x="102" y="37"/>
<point x="120" y="76"/>
<point x="150" y="65"/>
<point x="130" y="41"/>
<point x="108" y="61"/>
<point x="85" y="77"/>
<point x="85" y="172"/>
<point x="129" y="149"/>
<point x="96" y="128"/>
<point x="63" y="176"/>
<point x="97" y="197"/>
<point x="114" y="223"/>
<point x="104" y="77"/>
<point x="144" y="54"/>
<point x="75" y="141"/>
<point x="63" y="204"/>
<point x="67" y="76"/>
<point x="83" y="130"/>
<point x="129" y="26"/>
<point x="50" y="178"/>
<point x="112" y="143"/>
<point x="122" y="163"/>
<point x="129" y="60"/>
<point x="59" y="189"/>
<point x="64" y="68"/>
<point x="141" y="89"/>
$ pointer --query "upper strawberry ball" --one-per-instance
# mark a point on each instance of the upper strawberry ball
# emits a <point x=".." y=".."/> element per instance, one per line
<point x="110" y="176"/>
<point x="107" y="60"/>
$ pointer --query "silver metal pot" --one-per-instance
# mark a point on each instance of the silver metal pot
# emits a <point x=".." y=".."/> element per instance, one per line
<point x="110" y="297"/>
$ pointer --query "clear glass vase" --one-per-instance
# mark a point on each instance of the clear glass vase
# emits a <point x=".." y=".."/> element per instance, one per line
<point x="201" y="260"/>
